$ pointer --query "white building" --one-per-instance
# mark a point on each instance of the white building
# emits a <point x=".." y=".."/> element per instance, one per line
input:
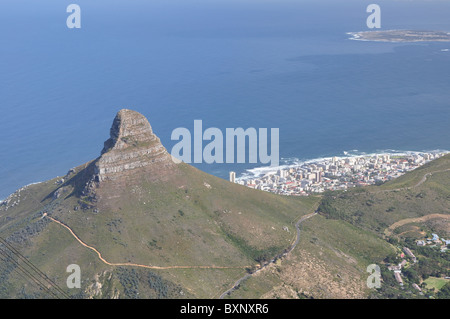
<point x="232" y="177"/>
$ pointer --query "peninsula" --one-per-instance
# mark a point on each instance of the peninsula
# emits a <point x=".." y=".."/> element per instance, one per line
<point x="401" y="36"/>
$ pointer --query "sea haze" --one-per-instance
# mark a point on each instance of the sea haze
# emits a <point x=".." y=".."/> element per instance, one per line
<point x="263" y="64"/>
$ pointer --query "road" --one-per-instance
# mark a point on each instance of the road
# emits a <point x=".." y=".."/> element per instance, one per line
<point x="422" y="180"/>
<point x="389" y="231"/>
<point x="248" y="275"/>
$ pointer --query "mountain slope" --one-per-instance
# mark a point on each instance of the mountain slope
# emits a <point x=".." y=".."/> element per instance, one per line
<point x="424" y="191"/>
<point x="360" y="227"/>
<point x="134" y="205"/>
<point x="141" y="225"/>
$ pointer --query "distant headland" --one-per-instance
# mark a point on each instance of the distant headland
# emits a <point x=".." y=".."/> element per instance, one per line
<point x="401" y="36"/>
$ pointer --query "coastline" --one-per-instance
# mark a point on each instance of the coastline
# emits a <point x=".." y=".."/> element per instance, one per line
<point x="261" y="171"/>
<point x="18" y="191"/>
<point x="253" y="172"/>
<point x="318" y="175"/>
<point x="400" y="36"/>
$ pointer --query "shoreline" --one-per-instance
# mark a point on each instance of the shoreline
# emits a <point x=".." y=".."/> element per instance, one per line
<point x="335" y="173"/>
<point x="261" y="171"/>
<point x="400" y="36"/>
<point x="347" y="154"/>
<point x="19" y="190"/>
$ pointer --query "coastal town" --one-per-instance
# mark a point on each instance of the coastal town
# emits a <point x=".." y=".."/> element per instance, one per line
<point x="337" y="173"/>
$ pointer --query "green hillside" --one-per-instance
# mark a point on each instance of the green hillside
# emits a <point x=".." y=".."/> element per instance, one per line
<point x="353" y="231"/>
<point x="199" y="220"/>
<point x="193" y="220"/>
<point x="140" y="225"/>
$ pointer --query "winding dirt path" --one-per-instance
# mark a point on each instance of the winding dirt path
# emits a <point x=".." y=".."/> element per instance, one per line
<point x="388" y="231"/>
<point x="422" y="180"/>
<point x="248" y="275"/>
<point x="132" y="264"/>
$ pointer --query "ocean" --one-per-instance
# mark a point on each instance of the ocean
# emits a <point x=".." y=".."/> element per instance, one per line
<point x="231" y="63"/>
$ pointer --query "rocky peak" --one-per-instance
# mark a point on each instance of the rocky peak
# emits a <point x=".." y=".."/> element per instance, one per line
<point x="132" y="145"/>
<point x="129" y="129"/>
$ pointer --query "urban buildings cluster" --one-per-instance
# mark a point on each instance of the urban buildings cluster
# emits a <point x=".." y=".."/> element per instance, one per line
<point x="336" y="173"/>
<point x="435" y="241"/>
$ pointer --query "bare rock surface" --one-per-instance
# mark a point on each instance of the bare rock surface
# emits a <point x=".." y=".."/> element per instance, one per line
<point x="133" y="154"/>
<point x="132" y="145"/>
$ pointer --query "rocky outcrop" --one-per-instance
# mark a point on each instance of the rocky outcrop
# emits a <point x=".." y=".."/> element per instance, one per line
<point x="132" y="154"/>
<point x="132" y="145"/>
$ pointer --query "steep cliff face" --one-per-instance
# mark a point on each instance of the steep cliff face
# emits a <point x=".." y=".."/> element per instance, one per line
<point x="133" y="154"/>
<point x="132" y="145"/>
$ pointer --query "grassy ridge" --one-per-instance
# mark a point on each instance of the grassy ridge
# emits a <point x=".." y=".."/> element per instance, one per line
<point x="193" y="219"/>
<point x="329" y="262"/>
<point x="348" y="235"/>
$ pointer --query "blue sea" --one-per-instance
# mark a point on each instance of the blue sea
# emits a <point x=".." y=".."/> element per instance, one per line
<point x="283" y="64"/>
